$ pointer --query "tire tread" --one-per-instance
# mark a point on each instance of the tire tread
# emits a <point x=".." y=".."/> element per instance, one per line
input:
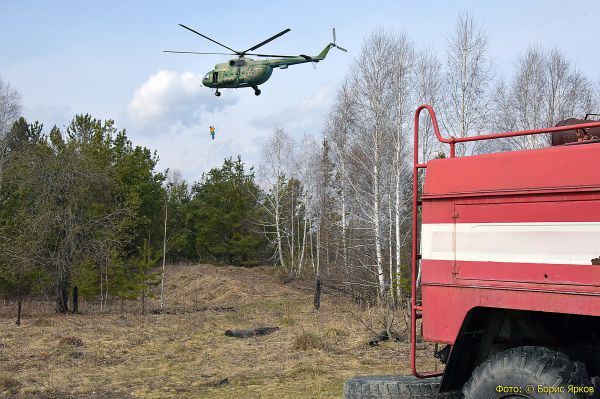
<point x="395" y="387"/>
<point x="548" y="367"/>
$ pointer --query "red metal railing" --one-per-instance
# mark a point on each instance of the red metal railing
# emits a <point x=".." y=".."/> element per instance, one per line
<point x="416" y="309"/>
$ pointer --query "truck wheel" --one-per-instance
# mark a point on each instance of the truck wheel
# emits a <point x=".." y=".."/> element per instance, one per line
<point x="395" y="387"/>
<point x="528" y="372"/>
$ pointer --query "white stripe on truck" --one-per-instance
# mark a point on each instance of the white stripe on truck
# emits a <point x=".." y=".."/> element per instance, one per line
<point x="541" y="242"/>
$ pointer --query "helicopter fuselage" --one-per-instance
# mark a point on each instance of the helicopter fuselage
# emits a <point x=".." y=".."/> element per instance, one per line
<point x="241" y="72"/>
<point x="246" y="72"/>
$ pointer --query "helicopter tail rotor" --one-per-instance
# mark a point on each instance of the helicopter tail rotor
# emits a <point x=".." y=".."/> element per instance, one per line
<point x="335" y="45"/>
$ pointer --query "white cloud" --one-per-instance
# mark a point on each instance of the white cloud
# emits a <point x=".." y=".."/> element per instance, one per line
<point x="309" y="115"/>
<point x="170" y="99"/>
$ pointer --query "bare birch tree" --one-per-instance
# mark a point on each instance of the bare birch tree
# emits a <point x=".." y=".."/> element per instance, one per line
<point x="520" y="104"/>
<point x="10" y="106"/>
<point x="402" y="58"/>
<point x="10" y="110"/>
<point x="428" y="80"/>
<point x="569" y="91"/>
<point x="468" y="75"/>
<point x="372" y="79"/>
<point x="307" y="169"/>
<point x="342" y="120"/>
<point x="544" y="89"/>
<point x="275" y="166"/>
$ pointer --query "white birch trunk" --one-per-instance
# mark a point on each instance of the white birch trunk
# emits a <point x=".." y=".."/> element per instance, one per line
<point x="390" y="246"/>
<point x="292" y="260"/>
<point x="398" y="214"/>
<point x="301" y="262"/>
<point x="377" y="223"/>
<point x="344" y="234"/>
<point x="278" y="228"/>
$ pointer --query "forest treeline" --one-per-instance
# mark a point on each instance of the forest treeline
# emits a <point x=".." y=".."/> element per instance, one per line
<point x="84" y="207"/>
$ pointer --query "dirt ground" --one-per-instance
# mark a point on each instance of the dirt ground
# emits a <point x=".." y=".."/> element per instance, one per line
<point x="122" y="353"/>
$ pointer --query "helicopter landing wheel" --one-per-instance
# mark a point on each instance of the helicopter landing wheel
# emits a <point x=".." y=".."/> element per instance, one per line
<point x="217" y="93"/>
<point x="256" y="90"/>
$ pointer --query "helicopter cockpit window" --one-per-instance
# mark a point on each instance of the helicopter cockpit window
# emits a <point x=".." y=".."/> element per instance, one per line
<point x="207" y="76"/>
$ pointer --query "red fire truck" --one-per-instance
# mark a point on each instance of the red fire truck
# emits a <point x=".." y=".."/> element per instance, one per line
<point x="508" y="246"/>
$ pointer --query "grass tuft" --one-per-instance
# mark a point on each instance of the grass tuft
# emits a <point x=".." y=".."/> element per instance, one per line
<point x="287" y="321"/>
<point x="42" y="322"/>
<point x="309" y="340"/>
<point x="8" y="385"/>
<point x="70" y="341"/>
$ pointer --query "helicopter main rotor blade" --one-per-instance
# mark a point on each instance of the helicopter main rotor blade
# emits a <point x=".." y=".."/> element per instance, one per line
<point x="195" y="52"/>
<point x="254" y="54"/>
<point x="272" y="55"/>
<point x="208" y="38"/>
<point x="283" y="32"/>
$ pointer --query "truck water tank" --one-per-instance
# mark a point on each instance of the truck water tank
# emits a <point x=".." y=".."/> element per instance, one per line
<point x="572" y="136"/>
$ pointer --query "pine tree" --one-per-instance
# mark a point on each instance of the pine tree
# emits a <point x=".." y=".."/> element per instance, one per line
<point x="222" y="214"/>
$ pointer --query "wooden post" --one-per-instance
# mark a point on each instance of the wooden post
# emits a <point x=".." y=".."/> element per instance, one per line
<point x="75" y="299"/>
<point x="317" y="299"/>
<point x="19" y="312"/>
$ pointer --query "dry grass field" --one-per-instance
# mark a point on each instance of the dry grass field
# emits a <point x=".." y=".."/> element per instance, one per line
<point x="125" y="354"/>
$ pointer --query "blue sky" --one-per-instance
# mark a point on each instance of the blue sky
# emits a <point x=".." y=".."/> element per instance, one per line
<point x="105" y="58"/>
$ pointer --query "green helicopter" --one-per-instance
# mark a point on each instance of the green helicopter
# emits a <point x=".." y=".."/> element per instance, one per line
<point x="247" y="72"/>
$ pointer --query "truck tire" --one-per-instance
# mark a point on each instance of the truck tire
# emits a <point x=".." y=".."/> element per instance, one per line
<point x="395" y="387"/>
<point x="520" y="372"/>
